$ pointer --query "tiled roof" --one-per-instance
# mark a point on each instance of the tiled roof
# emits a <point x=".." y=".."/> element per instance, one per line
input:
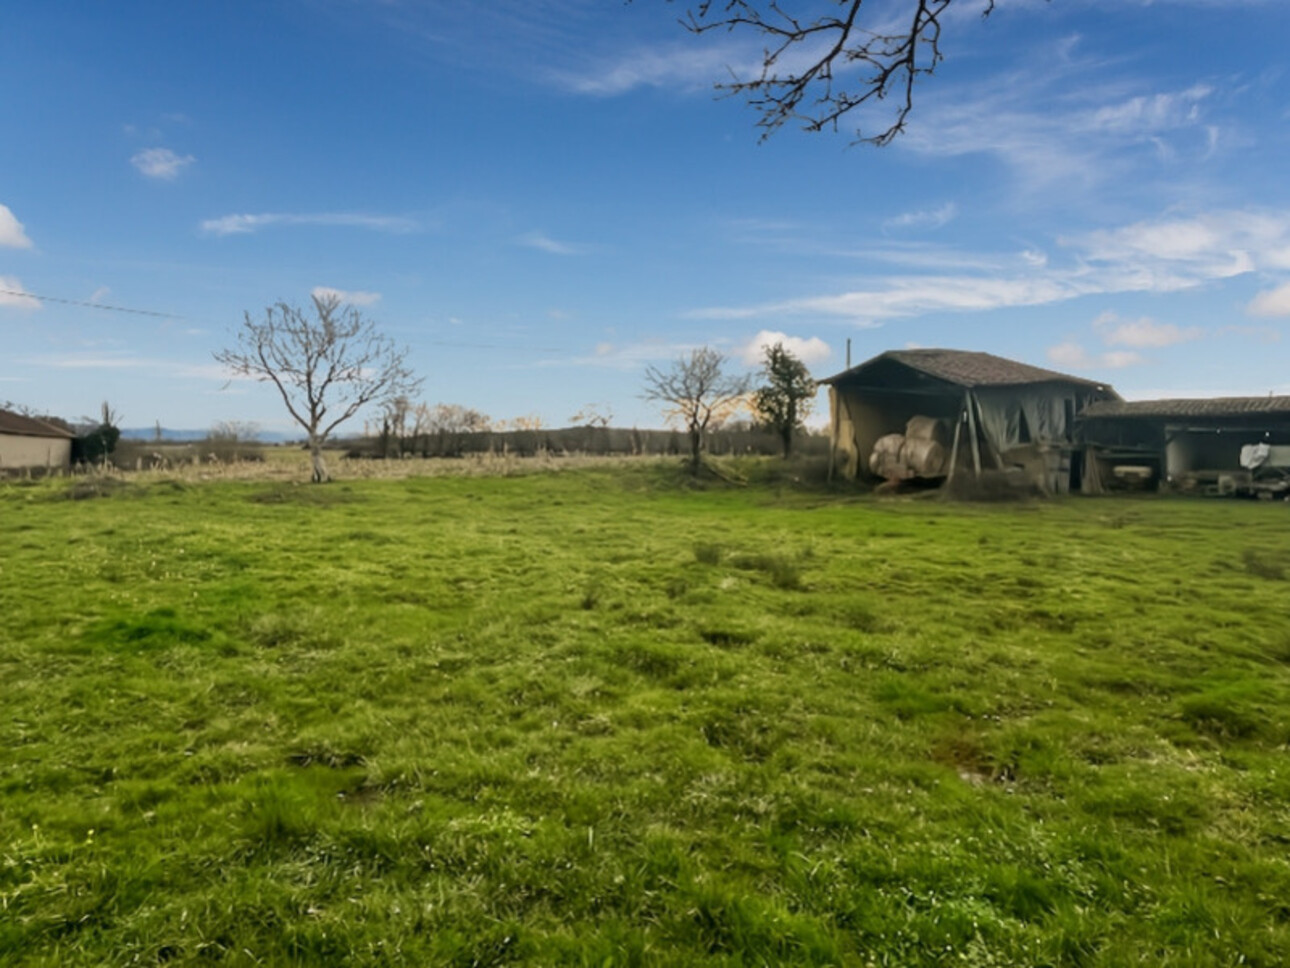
<point x="16" y="423"/>
<point x="1199" y="407"/>
<point x="967" y="368"/>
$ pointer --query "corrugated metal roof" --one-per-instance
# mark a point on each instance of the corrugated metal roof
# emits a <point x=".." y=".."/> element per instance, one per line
<point x="16" y="423"/>
<point x="966" y="368"/>
<point x="1198" y="407"/>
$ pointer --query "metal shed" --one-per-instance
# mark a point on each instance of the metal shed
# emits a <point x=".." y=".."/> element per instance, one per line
<point x="1185" y="443"/>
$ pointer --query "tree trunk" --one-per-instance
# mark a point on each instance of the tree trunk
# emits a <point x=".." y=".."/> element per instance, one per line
<point x="696" y="444"/>
<point x="320" y="475"/>
<point x="787" y="437"/>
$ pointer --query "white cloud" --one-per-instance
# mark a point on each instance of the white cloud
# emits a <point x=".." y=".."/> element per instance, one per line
<point x="12" y="235"/>
<point x="1068" y="354"/>
<point x="1064" y="118"/>
<point x="912" y="296"/>
<point x="682" y="65"/>
<point x="162" y="368"/>
<point x="1072" y="355"/>
<point x="1272" y="302"/>
<point x="246" y="224"/>
<point x="544" y="243"/>
<point x="630" y="356"/>
<point x="1144" y="333"/>
<point x="161" y="163"/>
<point x="1166" y="255"/>
<point x="925" y="219"/>
<point x="809" y="350"/>
<point x="1155" y="112"/>
<point x="356" y="297"/>
<point x="1118" y="359"/>
<point x="13" y="294"/>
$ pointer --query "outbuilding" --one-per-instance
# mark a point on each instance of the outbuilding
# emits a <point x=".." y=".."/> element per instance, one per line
<point x="985" y="412"/>
<point x="28" y="444"/>
<point x="1205" y="444"/>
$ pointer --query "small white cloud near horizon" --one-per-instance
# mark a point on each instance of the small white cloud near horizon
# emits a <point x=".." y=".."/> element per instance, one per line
<point x="161" y="163"/>
<point x="245" y="224"/>
<point x="356" y="297"/>
<point x="925" y="219"/>
<point x="1143" y="333"/>
<point x="544" y="243"/>
<point x="1072" y="355"/>
<point x="13" y="294"/>
<point x="1271" y="302"/>
<point x="809" y="350"/>
<point x="12" y="233"/>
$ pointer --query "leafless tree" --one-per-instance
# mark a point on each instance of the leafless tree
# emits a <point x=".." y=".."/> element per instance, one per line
<point x="818" y="66"/>
<point x="398" y="417"/>
<point x="453" y="418"/>
<point x="450" y="421"/>
<point x="696" y="391"/>
<point x="593" y="415"/>
<point x="327" y="365"/>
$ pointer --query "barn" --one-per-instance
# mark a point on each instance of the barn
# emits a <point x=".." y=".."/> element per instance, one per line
<point x="896" y="414"/>
<point x="28" y="444"/>
<point x="1188" y="444"/>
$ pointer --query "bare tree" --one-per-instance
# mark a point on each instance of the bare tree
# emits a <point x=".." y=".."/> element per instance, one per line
<point x="784" y="400"/>
<point x="593" y="415"/>
<point x="327" y="366"/>
<point x="532" y="421"/>
<point x="398" y="418"/>
<point x="450" y="421"/>
<point x="453" y="418"/>
<point x="818" y="67"/>
<point x="696" y="391"/>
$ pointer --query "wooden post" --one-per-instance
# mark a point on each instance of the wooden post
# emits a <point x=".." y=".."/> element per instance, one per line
<point x="954" y="448"/>
<point x="976" y="444"/>
<point x="833" y="429"/>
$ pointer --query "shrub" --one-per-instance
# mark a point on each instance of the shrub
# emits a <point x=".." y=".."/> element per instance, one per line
<point x="707" y="552"/>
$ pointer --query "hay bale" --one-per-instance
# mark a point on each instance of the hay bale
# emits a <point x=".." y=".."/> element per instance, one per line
<point x="886" y="461"/>
<point x="928" y="428"/>
<point x="923" y="457"/>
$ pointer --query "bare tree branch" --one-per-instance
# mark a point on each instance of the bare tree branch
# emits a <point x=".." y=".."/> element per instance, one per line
<point x="847" y="63"/>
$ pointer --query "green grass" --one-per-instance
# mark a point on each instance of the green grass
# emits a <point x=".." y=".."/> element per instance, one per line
<point x="604" y="718"/>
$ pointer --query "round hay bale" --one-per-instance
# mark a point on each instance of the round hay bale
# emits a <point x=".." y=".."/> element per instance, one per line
<point x="925" y="458"/>
<point x="885" y="461"/>
<point x="889" y="444"/>
<point x="928" y="428"/>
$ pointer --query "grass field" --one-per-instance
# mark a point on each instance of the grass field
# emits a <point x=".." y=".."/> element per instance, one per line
<point x="600" y="718"/>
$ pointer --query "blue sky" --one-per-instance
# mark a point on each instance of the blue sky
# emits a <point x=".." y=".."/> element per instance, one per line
<point x="541" y="197"/>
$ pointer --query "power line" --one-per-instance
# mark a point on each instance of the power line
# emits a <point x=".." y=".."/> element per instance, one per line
<point x="93" y="305"/>
<point x="148" y="312"/>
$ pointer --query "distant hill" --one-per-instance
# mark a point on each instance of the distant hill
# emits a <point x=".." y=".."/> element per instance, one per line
<point x="183" y="436"/>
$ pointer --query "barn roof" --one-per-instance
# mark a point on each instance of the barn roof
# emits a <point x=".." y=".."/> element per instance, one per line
<point x="1197" y="407"/>
<point x="16" y="423"/>
<point x="964" y="368"/>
